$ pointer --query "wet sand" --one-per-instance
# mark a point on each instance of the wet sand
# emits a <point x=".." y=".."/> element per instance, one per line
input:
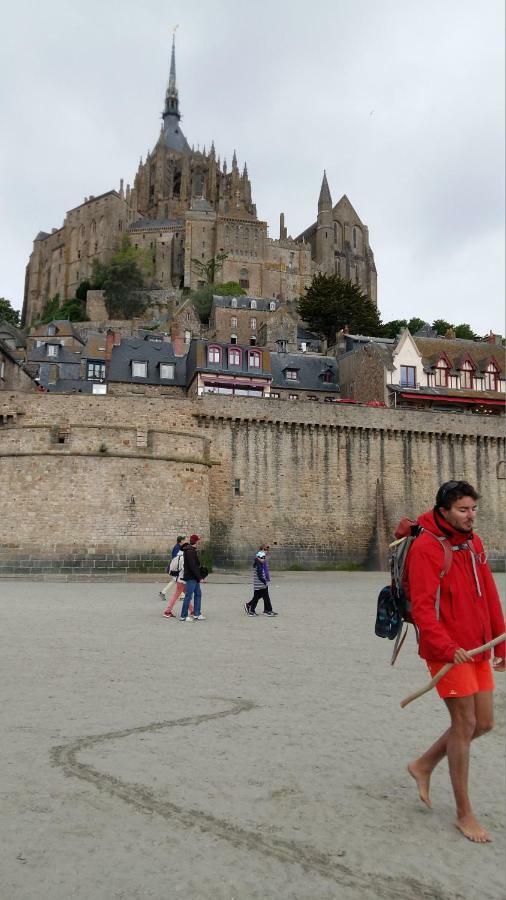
<point x="229" y="759"/>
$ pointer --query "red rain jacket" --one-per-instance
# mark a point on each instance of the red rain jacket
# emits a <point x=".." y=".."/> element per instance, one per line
<point x="470" y="611"/>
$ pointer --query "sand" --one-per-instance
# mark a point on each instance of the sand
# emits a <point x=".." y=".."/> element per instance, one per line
<point x="229" y="759"/>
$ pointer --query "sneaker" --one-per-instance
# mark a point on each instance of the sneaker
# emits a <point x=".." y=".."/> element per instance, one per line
<point x="187" y="619"/>
<point x="162" y="596"/>
<point x="251" y="612"/>
<point x="247" y="609"/>
<point x="271" y="613"/>
<point x="200" y="618"/>
<point x="167" y="614"/>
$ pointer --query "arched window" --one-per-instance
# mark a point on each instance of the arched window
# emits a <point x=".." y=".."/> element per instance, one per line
<point x="491" y="378"/>
<point x="214" y="355"/>
<point x="253" y="304"/>
<point x="441" y="374"/>
<point x="254" y="359"/>
<point x="234" y="357"/>
<point x="233" y="303"/>
<point x="354" y="238"/>
<point x="272" y="305"/>
<point x="338" y="235"/>
<point x="466" y="375"/>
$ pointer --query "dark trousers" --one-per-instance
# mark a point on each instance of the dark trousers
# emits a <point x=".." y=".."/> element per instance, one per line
<point x="261" y="594"/>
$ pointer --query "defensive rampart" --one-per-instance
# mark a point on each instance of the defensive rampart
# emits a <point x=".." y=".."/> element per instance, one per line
<point x="90" y="483"/>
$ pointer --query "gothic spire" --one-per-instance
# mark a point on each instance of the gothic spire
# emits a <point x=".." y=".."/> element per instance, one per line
<point x="171" y="95"/>
<point x="325" y="200"/>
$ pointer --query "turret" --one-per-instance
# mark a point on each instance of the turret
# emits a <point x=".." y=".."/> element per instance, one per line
<point x="325" y="229"/>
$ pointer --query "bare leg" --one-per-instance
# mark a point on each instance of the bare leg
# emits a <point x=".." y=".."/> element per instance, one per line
<point x="421" y="769"/>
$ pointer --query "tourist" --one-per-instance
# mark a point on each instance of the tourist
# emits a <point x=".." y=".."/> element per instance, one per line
<point x="454" y="614"/>
<point x="174" y="552"/>
<point x="177" y="566"/>
<point x="260" y="587"/>
<point x="192" y="576"/>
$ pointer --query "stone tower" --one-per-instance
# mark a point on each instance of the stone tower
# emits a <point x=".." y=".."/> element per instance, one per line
<point x="325" y="228"/>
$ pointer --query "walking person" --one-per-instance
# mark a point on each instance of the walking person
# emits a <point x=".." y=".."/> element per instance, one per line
<point x="260" y="588"/>
<point x="181" y="538"/>
<point x="454" y="614"/>
<point x="177" y="566"/>
<point x="193" y="575"/>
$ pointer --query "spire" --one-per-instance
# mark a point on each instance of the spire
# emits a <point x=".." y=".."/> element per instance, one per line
<point x="325" y="200"/>
<point x="245" y="171"/>
<point x="234" y="161"/>
<point x="171" y="95"/>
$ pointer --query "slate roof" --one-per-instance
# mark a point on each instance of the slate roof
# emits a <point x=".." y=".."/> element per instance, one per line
<point x="96" y="346"/>
<point x="149" y="351"/>
<point x="197" y="360"/>
<point x="155" y="224"/>
<point x="71" y="386"/>
<point x="10" y="333"/>
<point x="244" y="303"/>
<point x="39" y="354"/>
<point x="63" y="326"/>
<point x="310" y="371"/>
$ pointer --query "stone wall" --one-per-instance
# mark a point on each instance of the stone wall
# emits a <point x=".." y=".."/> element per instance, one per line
<point x="107" y="482"/>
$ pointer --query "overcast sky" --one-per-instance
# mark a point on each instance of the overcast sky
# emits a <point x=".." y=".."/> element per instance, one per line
<point x="401" y="101"/>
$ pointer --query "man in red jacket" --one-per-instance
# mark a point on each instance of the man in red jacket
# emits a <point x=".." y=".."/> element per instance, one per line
<point x="455" y="613"/>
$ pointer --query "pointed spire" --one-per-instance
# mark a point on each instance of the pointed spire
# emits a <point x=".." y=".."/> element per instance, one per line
<point x="212" y="152"/>
<point x="234" y="161"/>
<point x="325" y="200"/>
<point x="245" y="171"/>
<point x="171" y="95"/>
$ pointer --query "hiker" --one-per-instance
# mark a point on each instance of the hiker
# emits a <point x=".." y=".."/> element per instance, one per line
<point x="193" y="575"/>
<point x="260" y="587"/>
<point x="181" y="538"/>
<point x="177" y="567"/>
<point x="469" y="615"/>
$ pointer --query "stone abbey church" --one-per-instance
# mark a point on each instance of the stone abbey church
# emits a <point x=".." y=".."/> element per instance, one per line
<point x="185" y="205"/>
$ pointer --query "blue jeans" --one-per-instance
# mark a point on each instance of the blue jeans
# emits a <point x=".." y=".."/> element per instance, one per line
<point x="192" y="590"/>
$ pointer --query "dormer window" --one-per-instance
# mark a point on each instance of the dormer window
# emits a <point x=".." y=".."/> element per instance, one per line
<point x="291" y="374"/>
<point x="139" y="369"/>
<point x="272" y="305"/>
<point x="253" y="304"/>
<point x="491" y="378"/>
<point x="167" y="371"/>
<point x="52" y="349"/>
<point x="233" y="303"/>
<point x="441" y="373"/>
<point x="214" y="355"/>
<point x="328" y="376"/>
<point x="467" y="375"/>
<point x="234" y="358"/>
<point x="51" y="329"/>
<point x="254" y="359"/>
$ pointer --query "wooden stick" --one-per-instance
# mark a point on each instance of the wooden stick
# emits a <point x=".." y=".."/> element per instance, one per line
<point x="446" y="668"/>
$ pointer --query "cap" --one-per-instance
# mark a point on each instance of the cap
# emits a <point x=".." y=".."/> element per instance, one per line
<point x="261" y="554"/>
<point x="180" y="538"/>
<point x="194" y="538"/>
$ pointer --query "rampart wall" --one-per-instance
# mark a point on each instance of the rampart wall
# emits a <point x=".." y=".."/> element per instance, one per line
<point x="93" y="483"/>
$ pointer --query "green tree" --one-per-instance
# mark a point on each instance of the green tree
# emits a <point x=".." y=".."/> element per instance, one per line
<point x="465" y="331"/>
<point x="203" y="298"/>
<point x="330" y="303"/>
<point x="394" y="327"/>
<point x="83" y="289"/>
<point x="441" y="326"/>
<point x="122" y="279"/>
<point x="8" y="313"/>
<point x="415" y="324"/>
<point x="209" y="270"/>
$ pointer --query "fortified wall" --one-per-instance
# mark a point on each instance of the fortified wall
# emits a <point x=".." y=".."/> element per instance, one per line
<point x="92" y="483"/>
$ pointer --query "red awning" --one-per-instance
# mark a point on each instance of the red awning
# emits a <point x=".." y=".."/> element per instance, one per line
<point x="444" y="398"/>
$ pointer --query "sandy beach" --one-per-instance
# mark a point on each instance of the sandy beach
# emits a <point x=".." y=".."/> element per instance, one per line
<point x="231" y="759"/>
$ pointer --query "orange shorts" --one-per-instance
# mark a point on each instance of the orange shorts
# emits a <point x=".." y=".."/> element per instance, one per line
<point x="463" y="679"/>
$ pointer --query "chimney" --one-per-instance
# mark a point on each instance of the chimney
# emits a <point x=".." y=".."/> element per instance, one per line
<point x="177" y="339"/>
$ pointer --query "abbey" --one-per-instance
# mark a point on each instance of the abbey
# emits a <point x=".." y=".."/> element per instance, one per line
<point x="186" y="207"/>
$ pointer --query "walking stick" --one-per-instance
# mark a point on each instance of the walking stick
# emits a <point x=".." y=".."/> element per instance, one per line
<point x="446" y="668"/>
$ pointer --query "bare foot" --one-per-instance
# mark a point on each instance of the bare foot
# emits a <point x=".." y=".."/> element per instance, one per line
<point x="471" y="828"/>
<point x="422" y="778"/>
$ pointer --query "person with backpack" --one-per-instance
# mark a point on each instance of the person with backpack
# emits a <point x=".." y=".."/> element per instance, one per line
<point x="467" y="615"/>
<point x="260" y="587"/>
<point x="176" y="569"/>
<point x="181" y="538"/>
